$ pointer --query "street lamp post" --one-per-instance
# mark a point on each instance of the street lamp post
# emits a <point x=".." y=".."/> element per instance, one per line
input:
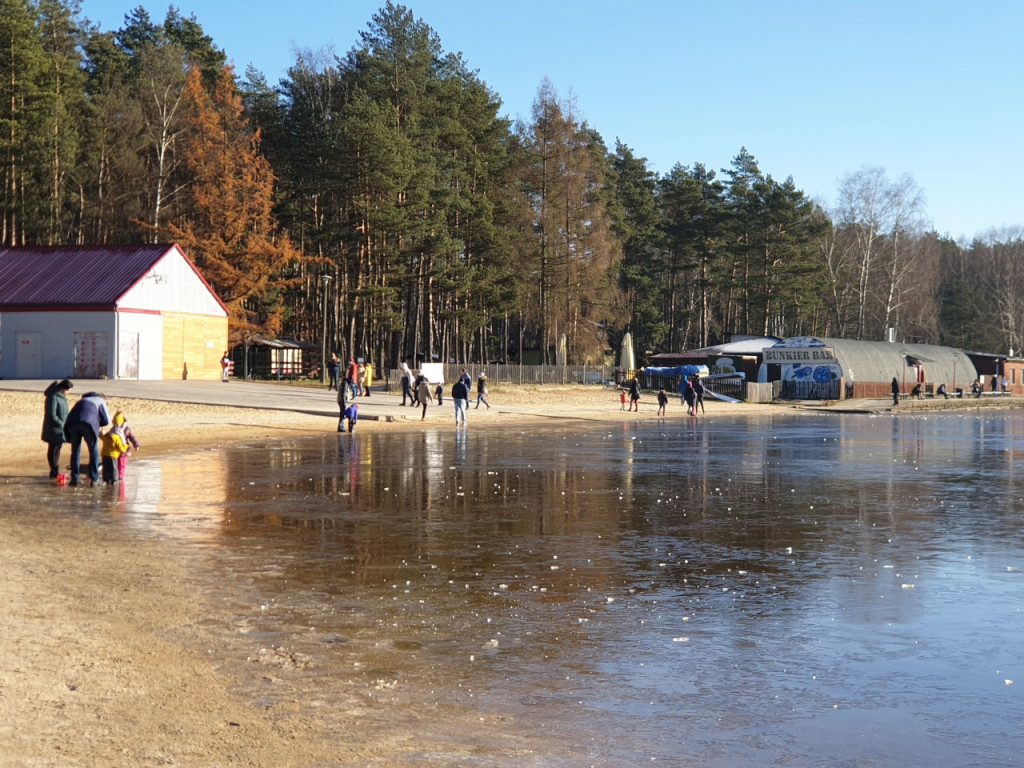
<point x="956" y="357"/>
<point x="903" y="353"/>
<point x="326" y="280"/>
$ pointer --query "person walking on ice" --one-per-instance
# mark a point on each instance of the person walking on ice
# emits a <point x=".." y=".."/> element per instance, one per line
<point x="481" y="391"/>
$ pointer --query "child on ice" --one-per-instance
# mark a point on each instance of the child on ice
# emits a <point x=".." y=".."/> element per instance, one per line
<point x="113" y="447"/>
<point x="662" y="402"/>
<point x="133" y="445"/>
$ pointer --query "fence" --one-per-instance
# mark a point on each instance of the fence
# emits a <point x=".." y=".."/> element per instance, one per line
<point x="810" y="390"/>
<point x="762" y="392"/>
<point x="524" y="374"/>
<point x="606" y="376"/>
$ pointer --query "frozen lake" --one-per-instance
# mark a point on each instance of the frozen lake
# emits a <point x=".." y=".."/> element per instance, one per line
<point x="786" y="590"/>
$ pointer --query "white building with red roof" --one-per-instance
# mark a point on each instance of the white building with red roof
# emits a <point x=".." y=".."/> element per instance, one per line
<point x="119" y="311"/>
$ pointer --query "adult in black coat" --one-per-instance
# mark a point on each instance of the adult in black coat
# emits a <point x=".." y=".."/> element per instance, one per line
<point x="55" y="415"/>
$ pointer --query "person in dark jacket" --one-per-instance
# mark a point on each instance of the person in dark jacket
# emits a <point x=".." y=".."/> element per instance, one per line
<point x="698" y="393"/>
<point x="333" y="371"/>
<point x="690" y="397"/>
<point x="895" y="387"/>
<point x="460" y="394"/>
<point x="53" y="422"/>
<point x="342" y="407"/>
<point x="634" y="395"/>
<point x="84" y="422"/>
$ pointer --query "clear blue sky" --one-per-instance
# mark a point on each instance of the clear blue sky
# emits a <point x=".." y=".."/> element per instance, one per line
<point x="814" y="89"/>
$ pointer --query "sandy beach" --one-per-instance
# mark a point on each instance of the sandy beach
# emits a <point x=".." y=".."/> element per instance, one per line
<point x="100" y="662"/>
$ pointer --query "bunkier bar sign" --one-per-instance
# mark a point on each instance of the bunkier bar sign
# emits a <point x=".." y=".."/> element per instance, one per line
<point x="779" y="355"/>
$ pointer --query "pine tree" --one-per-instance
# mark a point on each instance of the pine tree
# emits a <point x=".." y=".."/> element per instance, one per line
<point x="22" y="119"/>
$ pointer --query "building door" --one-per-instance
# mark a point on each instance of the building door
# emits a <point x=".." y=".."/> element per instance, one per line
<point x="29" y="361"/>
<point x="128" y="356"/>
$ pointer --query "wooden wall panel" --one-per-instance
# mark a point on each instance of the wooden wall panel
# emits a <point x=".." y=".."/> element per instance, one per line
<point x="174" y="335"/>
<point x="197" y="341"/>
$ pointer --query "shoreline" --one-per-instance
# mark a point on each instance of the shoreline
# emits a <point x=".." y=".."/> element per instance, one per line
<point x="176" y="416"/>
<point x="279" y="411"/>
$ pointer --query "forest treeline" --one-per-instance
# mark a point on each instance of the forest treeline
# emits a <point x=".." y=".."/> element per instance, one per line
<point x="382" y="195"/>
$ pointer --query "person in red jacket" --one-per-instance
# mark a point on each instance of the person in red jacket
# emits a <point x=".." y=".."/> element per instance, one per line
<point x="351" y="376"/>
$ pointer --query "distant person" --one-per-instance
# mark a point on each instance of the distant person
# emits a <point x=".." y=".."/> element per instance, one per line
<point x="406" y="379"/>
<point x="917" y="392"/>
<point x="698" y="393"/>
<point x="995" y="382"/>
<point x="662" y="402"/>
<point x="423" y="393"/>
<point x="942" y="391"/>
<point x="112" y="447"/>
<point x="634" y="395"/>
<point x="690" y="398"/>
<point x="464" y="377"/>
<point x="343" y="406"/>
<point x="439" y="393"/>
<point x="367" y="378"/>
<point x="55" y="413"/>
<point x="351" y="416"/>
<point x="333" y="371"/>
<point x="895" y="387"/>
<point x="225" y="366"/>
<point x="460" y="394"/>
<point x="420" y="379"/>
<point x="360" y="378"/>
<point x="684" y="383"/>
<point x="84" y="422"/>
<point x="481" y="391"/>
<point x="351" y="374"/>
<point x="622" y="399"/>
<point x="976" y="388"/>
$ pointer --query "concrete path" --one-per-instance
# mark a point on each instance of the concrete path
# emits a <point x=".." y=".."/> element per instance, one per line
<point x="315" y="400"/>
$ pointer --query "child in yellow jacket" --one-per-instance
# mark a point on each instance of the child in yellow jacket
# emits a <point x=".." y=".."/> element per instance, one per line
<point x="113" y="446"/>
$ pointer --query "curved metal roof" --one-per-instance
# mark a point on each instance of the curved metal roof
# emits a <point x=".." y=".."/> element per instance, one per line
<point x="882" y="360"/>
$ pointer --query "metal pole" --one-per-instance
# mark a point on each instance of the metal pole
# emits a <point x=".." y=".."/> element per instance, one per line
<point x="323" y="355"/>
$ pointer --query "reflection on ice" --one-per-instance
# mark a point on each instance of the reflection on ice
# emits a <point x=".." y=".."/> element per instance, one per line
<point x="804" y="589"/>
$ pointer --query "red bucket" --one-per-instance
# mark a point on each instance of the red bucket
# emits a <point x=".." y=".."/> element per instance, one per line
<point x="62" y="478"/>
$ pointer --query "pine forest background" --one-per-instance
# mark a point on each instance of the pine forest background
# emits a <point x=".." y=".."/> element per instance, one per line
<point x="381" y="195"/>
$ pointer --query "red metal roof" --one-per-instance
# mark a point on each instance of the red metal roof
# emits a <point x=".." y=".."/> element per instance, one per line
<point x="93" y="276"/>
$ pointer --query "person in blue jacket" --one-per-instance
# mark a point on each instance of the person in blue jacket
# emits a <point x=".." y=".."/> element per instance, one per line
<point x="84" y="422"/>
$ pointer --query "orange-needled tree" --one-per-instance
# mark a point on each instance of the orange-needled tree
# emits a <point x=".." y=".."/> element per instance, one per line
<point x="230" y="230"/>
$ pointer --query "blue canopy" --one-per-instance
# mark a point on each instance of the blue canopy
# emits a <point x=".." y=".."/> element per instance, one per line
<point x="676" y="371"/>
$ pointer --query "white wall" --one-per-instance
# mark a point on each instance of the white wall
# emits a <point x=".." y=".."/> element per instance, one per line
<point x="58" y="345"/>
<point x="172" y="286"/>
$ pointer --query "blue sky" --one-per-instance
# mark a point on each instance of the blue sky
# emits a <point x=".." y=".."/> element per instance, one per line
<point x="814" y="89"/>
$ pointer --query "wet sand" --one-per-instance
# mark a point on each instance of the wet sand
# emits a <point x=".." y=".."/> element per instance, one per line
<point x="99" y="661"/>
